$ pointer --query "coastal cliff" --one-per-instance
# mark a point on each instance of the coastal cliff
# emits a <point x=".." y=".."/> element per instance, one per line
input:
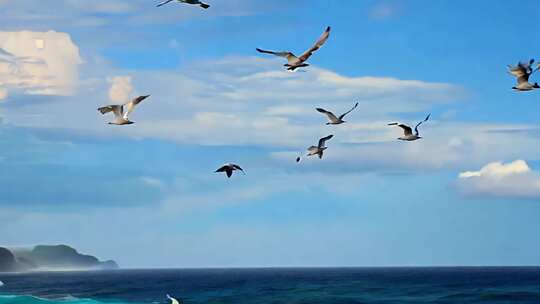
<point x="7" y="260"/>
<point x="45" y="257"/>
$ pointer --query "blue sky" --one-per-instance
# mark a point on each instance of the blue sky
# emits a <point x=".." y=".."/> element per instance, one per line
<point x="146" y="195"/>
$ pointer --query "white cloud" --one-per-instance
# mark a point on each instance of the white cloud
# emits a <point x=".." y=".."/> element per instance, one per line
<point x="499" y="170"/>
<point x="512" y="180"/>
<point x="228" y="102"/>
<point x="121" y="89"/>
<point x="42" y="63"/>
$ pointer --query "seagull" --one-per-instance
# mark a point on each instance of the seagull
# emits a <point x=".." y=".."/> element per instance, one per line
<point x="319" y="149"/>
<point x="297" y="62"/>
<point x="333" y="119"/>
<point x="196" y="2"/>
<point x="522" y="72"/>
<point x="408" y="134"/>
<point x="1" y="283"/>
<point x="229" y="168"/>
<point x="173" y="300"/>
<point x="121" y="118"/>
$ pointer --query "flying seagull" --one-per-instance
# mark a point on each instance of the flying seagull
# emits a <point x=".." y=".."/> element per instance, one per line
<point x="195" y="2"/>
<point x="334" y="120"/>
<point x="408" y="134"/>
<point x="319" y="149"/>
<point x="522" y="72"/>
<point x="173" y="300"/>
<point x="297" y="62"/>
<point x="229" y="168"/>
<point x="121" y="118"/>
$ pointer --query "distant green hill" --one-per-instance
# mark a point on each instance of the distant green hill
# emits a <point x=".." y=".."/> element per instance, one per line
<point x="44" y="257"/>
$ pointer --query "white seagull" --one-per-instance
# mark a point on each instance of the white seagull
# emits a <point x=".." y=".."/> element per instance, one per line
<point x="1" y="283"/>
<point x="229" y="168"/>
<point x="522" y="72"/>
<point x="297" y="62"/>
<point x="121" y="118"/>
<point x="195" y="2"/>
<point x="173" y="300"/>
<point x="408" y="134"/>
<point x="319" y="149"/>
<point x="334" y="120"/>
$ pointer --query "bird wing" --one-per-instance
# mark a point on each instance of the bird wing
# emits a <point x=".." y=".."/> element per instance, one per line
<point x="406" y="129"/>
<point x="416" y="128"/>
<point x="227" y="168"/>
<point x="164" y="2"/>
<point x="291" y="58"/>
<point x="173" y="300"/>
<point x="323" y="140"/>
<point x="316" y="46"/>
<point x="132" y="104"/>
<point x="343" y="115"/>
<point x="520" y="70"/>
<point x="527" y="65"/>
<point x="105" y="109"/>
<point x="330" y="115"/>
<point x="537" y="67"/>
<point x="116" y="109"/>
<point x="237" y="167"/>
<point x="222" y="169"/>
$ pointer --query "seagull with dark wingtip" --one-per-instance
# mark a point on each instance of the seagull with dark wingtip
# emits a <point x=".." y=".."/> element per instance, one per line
<point x="194" y="2"/>
<point x="333" y="119"/>
<point x="121" y="118"/>
<point x="229" y="168"/>
<point x="319" y="149"/>
<point x="294" y="62"/>
<point x="407" y="131"/>
<point x="522" y="72"/>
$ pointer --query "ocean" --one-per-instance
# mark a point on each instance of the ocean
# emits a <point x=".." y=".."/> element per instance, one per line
<point x="277" y="285"/>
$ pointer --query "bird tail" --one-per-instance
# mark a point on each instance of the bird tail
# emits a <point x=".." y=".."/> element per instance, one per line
<point x="204" y="5"/>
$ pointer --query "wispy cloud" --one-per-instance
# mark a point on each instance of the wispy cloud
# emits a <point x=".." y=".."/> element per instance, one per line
<point x="383" y="10"/>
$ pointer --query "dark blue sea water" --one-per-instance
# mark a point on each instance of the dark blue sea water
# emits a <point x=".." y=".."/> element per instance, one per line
<point x="279" y="285"/>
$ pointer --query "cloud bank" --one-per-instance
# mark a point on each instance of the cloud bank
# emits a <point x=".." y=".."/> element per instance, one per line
<point x="38" y="63"/>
